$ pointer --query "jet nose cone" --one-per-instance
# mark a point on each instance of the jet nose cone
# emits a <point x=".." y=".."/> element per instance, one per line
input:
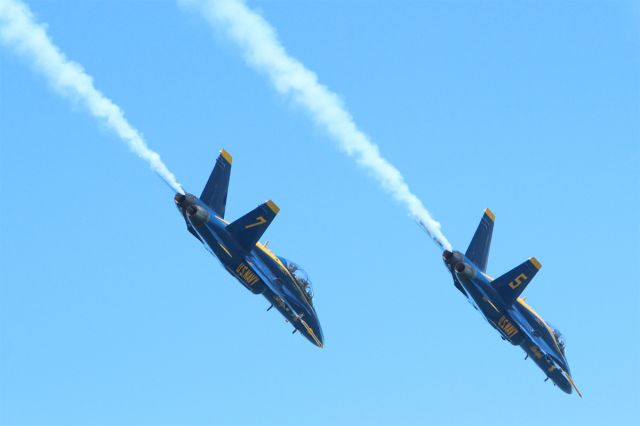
<point x="316" y="336"/>
<point x="313" y="332"/>
<point x="564" y="385"/>
<point x="320" y="336"/>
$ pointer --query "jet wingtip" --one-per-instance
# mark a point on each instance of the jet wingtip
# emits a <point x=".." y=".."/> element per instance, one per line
<point x="228" y="158"/>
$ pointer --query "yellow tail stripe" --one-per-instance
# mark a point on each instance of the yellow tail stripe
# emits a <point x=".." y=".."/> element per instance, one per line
<point x="228" y="158"/>
<point x="274" y="208"/>
<point x="535" y="263"/>
<point x="489" y="213"/>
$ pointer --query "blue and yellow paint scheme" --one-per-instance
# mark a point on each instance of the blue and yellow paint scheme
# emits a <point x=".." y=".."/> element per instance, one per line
<point x="282" y="282"/>
<point x="499" y="301"/>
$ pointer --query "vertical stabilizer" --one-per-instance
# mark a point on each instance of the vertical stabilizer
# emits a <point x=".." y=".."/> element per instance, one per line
<point x="478" y="251"/>
<point x="215" y="192"/>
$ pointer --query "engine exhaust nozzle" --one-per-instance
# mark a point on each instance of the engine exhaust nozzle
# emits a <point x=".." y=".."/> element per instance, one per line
<point x="197" y="215"/>
<point x="452" y="258"/>
<point x="464" y="270"/>
<point x="179" y="198"/>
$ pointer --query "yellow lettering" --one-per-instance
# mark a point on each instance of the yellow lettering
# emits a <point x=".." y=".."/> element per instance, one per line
<point x="506" y="326"/>
<point x="535" y="351"/>
<point x="246" y="274"/>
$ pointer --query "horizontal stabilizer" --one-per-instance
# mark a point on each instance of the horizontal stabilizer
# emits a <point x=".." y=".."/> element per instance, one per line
<point x="249" y="228"/>
<point x="215" y="191"/>
<point x="478" y="251"/>
<point x="510" y="285"/>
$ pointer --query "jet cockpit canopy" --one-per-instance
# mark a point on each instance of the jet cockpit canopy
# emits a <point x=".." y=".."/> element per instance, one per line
<point x="559" y="338"/>
<point x="302" y="278"/>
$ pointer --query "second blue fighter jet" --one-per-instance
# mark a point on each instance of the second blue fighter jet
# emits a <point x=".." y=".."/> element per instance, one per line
<point x="500" y="303"/>
<point x="283" y="283"/>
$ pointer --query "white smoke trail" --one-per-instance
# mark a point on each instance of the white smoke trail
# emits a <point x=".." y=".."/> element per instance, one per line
<point x="19" y="29"/>
<point x="261" y="48"/>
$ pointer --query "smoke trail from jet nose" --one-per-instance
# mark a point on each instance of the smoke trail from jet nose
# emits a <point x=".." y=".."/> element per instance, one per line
<point x="261" y="48"/>
<point x="19" y="29"/>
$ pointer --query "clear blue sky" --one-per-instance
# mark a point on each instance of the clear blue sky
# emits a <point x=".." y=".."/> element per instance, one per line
<point x="112" y="314"/>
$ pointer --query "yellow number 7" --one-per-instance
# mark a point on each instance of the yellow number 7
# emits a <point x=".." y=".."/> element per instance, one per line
<point x="260" y="221"/>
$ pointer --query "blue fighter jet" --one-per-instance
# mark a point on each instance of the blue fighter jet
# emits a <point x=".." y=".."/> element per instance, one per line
<point x="282" y="282"/>
<point x="499" y="302"/>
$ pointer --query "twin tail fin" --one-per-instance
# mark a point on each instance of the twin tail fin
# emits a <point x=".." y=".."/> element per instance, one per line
<point x="217" y="187"/>
<point x="478" y="251"/>
<point x="511" y="284"/>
